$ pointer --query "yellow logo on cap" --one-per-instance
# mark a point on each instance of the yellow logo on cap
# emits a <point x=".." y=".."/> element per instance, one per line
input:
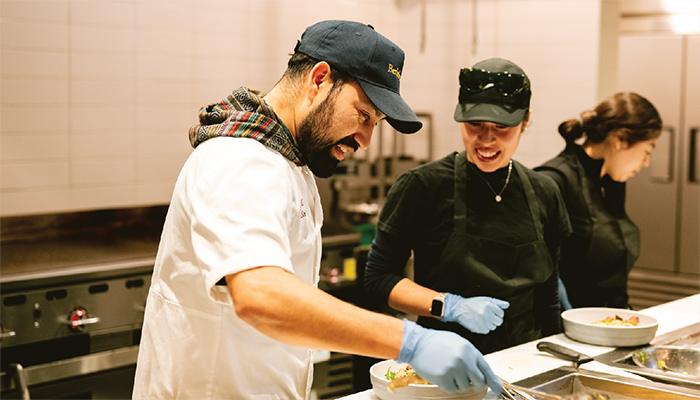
<point x="395" y="71"/>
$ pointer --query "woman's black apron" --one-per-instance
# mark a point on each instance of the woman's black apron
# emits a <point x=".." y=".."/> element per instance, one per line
<point x="611" y="254"/>
<point x="471" y="265"/>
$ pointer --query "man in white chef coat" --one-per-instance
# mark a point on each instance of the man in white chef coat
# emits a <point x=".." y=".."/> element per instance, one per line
<point x="233" y="307"/>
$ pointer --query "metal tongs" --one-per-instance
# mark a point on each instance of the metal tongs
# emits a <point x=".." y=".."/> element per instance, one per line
<point x="514" y="392"/>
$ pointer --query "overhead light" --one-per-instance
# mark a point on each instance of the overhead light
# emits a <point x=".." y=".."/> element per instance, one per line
<point x="685" y="24"/>
<point x="681" y="6"/>
<point x="684" y="15"/>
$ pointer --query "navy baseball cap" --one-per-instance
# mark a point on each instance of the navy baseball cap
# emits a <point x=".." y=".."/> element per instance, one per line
<point x="369" y="57"/>
<point x="494" y="90"/>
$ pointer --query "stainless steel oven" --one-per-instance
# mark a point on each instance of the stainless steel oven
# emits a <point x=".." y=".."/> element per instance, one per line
<point x="72" y="303"/>
<point x="72" y="332"/>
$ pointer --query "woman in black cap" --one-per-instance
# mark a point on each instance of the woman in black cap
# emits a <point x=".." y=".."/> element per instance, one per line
<point x="484" y="230"/>
<point x="619" y="135"/>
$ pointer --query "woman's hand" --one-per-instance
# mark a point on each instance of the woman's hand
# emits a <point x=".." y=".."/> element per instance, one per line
<point x="478" y="314"/>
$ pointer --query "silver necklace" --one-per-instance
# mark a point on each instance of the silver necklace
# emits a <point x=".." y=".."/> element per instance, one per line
<point x="498" y="197"/>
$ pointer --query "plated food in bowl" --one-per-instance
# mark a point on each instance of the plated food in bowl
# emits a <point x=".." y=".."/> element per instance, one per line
<point x="618" y="321"/>
<point x="412" y="391"/>
<point x="612" y="327"/>
<point x="402" y="377"/>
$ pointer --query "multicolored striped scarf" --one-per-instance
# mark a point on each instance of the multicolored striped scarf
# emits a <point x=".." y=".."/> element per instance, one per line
<point x="244" y="114"/>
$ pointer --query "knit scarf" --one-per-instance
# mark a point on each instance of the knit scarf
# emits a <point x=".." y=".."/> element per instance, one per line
<point x="244" y="114"/>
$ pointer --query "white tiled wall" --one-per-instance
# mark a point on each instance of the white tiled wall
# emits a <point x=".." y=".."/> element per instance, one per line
<point x="97" y="96"/>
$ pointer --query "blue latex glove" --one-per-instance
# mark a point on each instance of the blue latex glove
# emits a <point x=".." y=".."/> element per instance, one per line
<point x="446" y="359"/>
<point x="564" y="297"/>
<point x="478" y="314"/>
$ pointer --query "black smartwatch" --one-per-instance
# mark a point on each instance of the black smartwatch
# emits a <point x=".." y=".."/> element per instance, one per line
<point x="437" y="308"/>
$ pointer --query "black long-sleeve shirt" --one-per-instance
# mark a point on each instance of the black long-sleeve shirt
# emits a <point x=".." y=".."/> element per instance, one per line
<point x="418" y="217"/>
<point x="597" y="257"/>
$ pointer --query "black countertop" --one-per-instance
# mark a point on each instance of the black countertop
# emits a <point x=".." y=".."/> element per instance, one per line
<point x="24" y="265"/>
<point x="50" y="248"/>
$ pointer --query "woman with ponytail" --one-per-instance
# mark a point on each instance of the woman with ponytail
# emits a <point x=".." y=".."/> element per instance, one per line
<point x="604" y="147"/>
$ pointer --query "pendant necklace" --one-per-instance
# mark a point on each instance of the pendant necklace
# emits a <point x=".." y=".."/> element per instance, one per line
<point x="498" y="197"/>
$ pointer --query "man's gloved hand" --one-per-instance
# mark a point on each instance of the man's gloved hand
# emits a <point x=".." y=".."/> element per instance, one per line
<point x="478" y="314"/>
<point x="446" y="359"/>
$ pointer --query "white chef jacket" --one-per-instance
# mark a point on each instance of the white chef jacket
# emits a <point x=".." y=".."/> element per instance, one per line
<point x="236" y="205"/>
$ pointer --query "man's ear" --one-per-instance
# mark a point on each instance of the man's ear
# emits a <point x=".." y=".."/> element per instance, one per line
<point x="319" y="80"/>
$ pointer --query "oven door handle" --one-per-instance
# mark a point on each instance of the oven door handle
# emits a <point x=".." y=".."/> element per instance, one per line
<point x="20" y="380"/>
<point x="69" y="368"/>
<point x="7" y="334"/>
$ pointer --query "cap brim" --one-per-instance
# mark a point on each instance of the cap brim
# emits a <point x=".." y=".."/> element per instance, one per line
<point x="398" y="114"/>
<point x="487" y="112"/>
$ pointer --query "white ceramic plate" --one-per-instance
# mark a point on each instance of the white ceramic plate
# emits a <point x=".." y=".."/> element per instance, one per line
<point x="578" y="325"/>
<point x="413" y="391"/>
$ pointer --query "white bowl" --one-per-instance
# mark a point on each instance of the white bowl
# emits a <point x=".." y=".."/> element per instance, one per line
<point x="578" y="325"/>
<point x="413" y="391"/>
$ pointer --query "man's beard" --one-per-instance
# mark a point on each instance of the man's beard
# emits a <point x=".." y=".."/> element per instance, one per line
<point x="313" y="138"/>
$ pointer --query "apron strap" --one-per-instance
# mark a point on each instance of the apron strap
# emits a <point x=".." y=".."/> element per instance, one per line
<point x="585" y="191"/>
<point x="535" y="207"/>
<point x="460" y="207"/>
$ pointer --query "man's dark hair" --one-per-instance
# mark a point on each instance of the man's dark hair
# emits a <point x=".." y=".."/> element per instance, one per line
<point x="299" y="64"/>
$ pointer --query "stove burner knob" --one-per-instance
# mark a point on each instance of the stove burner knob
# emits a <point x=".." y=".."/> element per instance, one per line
<point x="78" y="319"/>
<point x="333" y="276"/>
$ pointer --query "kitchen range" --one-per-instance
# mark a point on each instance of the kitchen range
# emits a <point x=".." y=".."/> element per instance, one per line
<point x="73" y="291"/>
<point x="72" y="311"/>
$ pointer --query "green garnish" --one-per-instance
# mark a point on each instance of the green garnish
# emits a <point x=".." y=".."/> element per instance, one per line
<point x="391" y="375"/>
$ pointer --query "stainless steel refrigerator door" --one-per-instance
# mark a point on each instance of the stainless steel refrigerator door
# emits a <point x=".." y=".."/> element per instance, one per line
<point x="690" y="232"/>
<point x="663" y="199"/>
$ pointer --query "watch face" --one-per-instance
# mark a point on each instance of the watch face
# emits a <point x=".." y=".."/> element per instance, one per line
<point x="436" y="308"/>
